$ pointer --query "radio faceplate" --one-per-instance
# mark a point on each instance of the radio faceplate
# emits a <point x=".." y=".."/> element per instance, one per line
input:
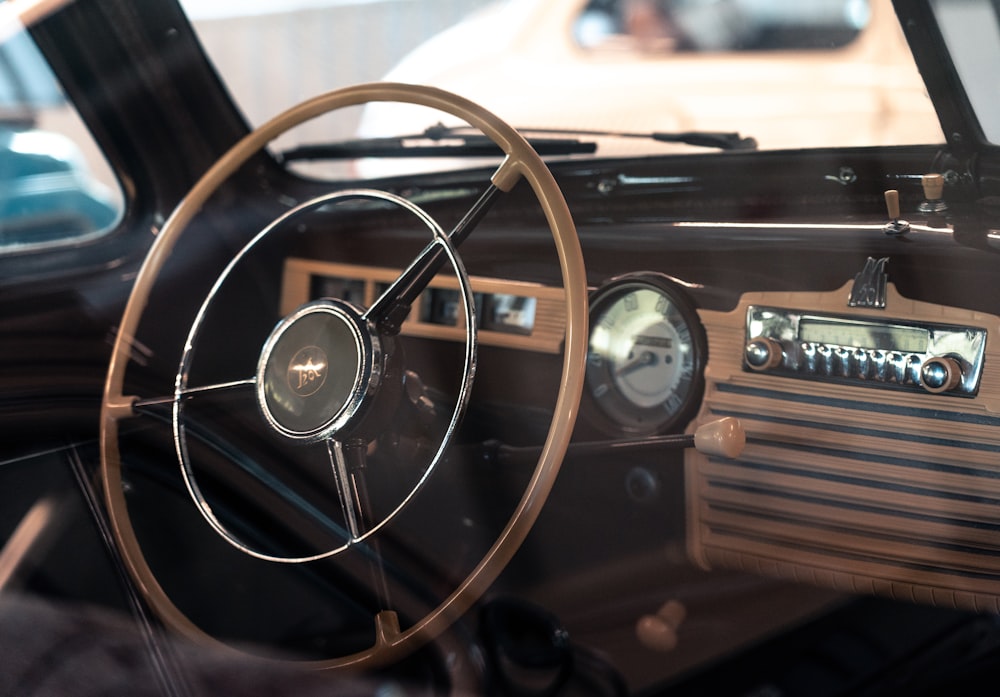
<point x="878" y="352"/>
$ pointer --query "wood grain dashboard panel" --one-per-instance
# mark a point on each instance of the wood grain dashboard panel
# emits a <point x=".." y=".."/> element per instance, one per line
<point x="547" y="323"/>
<point x="860" y="487"/>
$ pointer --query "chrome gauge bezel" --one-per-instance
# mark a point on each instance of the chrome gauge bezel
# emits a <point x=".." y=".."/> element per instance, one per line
<point x="645" y="400"/>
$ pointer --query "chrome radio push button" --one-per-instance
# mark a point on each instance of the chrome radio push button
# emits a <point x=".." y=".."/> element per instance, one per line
<point x="808" y="353"/>
<point x="862" y="363"/>
<point x="897" y="367"/>
<point x="842" y="361"/>
<point x="824" y="363"/>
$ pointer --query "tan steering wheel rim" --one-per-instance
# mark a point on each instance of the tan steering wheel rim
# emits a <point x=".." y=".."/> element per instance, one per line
<point x="521" y="160"/>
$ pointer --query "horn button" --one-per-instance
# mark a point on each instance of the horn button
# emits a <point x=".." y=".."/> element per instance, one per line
<point x="316" y="370"/>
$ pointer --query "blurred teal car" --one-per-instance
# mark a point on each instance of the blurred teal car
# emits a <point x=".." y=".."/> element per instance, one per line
<point x="47" y="191"/>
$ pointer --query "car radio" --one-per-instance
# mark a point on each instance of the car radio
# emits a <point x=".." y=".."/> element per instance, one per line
<point x="880" y="352"/>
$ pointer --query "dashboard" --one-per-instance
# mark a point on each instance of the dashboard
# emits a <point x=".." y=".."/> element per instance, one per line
<point x="832" y="388"/>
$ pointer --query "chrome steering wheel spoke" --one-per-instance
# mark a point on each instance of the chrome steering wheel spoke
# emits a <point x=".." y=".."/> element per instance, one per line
<point x="348" y="464"/>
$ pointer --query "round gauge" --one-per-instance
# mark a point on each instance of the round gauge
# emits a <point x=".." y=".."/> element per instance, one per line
<point x="646" y="355"/>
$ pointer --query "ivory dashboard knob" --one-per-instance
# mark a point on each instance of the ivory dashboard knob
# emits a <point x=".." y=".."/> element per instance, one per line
<point x="723" y="437"/>
<point x="763" y="353"/>
<point x="655" y="633"/>
<point x="940" y="374"/>
<point x="892" y="203"/>
<point x="895" y="226"/>
<point x="659" y="630"/>
<point x="933" y="185"/>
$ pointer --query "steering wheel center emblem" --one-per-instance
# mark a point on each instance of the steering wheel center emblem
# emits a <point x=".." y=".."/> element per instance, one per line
<point x="307" y="371"/>
<point x="317" y="369"/>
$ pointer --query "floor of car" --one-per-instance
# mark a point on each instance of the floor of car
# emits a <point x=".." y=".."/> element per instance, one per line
<point x="870" y="646"/>
<point x="724" y="612"/>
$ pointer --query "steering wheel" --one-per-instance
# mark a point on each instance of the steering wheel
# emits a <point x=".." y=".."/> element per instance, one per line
<point x="336" y="364"/>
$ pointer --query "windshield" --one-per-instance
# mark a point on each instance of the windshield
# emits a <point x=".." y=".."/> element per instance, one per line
<point x="786" y="74"/>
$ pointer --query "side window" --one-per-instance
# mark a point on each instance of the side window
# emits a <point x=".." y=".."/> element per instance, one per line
<point x="666" y="26"/>
<point x="55" y="185"/>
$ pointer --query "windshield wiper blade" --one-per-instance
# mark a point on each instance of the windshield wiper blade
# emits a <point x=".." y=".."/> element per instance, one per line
<point x="425" y="145"/>
<point x="456" y="141"/>
<point x="722" y="140"/>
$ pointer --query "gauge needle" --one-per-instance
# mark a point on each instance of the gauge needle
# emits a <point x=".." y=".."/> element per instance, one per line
<point x="645" y="358"/>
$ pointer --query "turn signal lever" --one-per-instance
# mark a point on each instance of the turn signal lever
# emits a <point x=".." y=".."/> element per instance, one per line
<point x="723" y="437"/>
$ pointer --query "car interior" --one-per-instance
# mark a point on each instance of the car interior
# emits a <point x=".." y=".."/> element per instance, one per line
<point x="716" y="419"/>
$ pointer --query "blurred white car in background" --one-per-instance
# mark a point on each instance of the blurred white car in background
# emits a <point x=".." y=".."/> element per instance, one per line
<point x="723" y="66"/>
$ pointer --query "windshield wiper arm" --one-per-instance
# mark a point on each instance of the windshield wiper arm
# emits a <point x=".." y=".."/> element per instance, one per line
<point x="456" y="141"/>
<point x="426" y="145"/>
<point x="722" y="140"/>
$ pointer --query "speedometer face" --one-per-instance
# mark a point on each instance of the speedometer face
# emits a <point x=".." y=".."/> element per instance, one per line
<point x="645" y="357"/>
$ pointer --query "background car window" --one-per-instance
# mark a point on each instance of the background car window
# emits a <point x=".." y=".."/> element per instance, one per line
<point x="722" y="25"/>
<point x="55" y="185"/>
<point x="844" y="75"/>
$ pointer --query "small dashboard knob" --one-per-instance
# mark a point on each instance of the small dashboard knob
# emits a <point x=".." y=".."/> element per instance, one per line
<point x="896" y="225"/>
<point x="763" y="353"/>
<point x="933" y="185"/>
<point x="659" y="631"/>
<point x="940" y="374"/>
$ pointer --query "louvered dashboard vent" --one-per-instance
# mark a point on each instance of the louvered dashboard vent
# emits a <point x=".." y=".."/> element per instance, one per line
<point x="853" y="478"/>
